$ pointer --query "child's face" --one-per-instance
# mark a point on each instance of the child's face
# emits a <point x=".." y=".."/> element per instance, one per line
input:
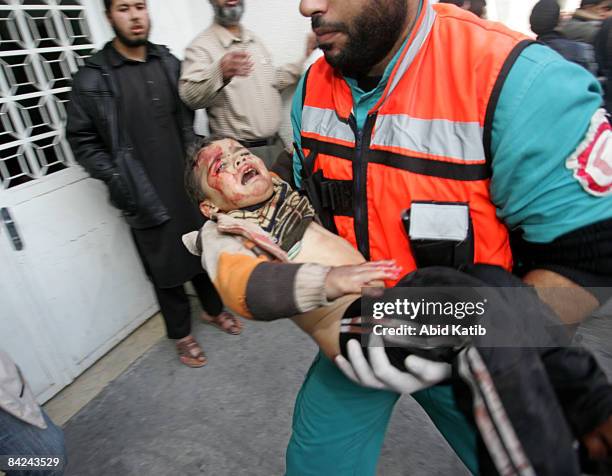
<point x="232" y="177"/>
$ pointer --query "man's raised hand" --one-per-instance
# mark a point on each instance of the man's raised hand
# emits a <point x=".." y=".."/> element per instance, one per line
<point x="236" y="63"/>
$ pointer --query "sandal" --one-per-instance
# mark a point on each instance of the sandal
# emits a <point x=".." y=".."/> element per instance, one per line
<point x="224" y="321"/>
<point x="190" y="353"/>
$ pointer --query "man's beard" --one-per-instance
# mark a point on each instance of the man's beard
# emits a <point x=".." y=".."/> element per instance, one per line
<point x="228" y="16"/>
<point x="129" y="42"/>
<point x="371" y="37"/>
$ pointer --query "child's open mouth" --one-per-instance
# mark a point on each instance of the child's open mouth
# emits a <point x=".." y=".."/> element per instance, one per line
<point x="250" y="174"/>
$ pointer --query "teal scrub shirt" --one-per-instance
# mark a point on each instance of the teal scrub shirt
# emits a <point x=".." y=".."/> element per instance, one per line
<point x="542" y="115"/>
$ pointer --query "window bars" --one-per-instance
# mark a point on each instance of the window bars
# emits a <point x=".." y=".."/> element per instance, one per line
<point x="42" y="43"/>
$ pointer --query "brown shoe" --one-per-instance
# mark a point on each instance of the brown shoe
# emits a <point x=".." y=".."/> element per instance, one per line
<point x="224" y="321"/>
<point x="190" y="353"/>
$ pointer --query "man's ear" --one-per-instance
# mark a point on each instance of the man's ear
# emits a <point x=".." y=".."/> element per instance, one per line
<point x="208" y="209"/>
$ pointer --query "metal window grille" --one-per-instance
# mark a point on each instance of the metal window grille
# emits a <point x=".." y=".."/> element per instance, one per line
<point x="42" y="43"/>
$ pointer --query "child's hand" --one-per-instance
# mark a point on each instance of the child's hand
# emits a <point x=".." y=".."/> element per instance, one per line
<point x="343" y="280"/>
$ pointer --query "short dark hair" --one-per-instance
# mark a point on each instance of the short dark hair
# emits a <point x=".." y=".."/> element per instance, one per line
<point x="477" y="7"/>
<point x="193" y="176"/>
<point x="544" y="17"/>
<point x="108" y="4"/>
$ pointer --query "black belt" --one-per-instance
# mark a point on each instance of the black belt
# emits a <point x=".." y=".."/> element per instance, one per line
<point x="249" y="144"/>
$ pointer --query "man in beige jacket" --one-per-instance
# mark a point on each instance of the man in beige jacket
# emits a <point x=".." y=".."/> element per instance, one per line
<point x="228" y="70"/>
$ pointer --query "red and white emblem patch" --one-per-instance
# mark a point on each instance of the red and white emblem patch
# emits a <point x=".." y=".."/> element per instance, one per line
<point x="592" y="160"/>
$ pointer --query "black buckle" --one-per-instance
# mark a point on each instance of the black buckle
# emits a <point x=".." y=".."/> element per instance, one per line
<point x="329" y="198"/>
<point x="337" y="195"/>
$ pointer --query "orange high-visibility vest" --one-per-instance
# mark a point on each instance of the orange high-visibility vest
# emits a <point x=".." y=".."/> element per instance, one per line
<point x="426" y="141"/>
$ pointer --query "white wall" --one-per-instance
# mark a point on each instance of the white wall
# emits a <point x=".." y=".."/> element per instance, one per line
<point x="277" y="22"/>
<point x="515" y="13"/>
<point x="569" y="5"/>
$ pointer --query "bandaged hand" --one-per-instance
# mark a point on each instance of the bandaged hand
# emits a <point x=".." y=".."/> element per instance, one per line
<point x="342" y="280"/>
<point x="379" y="373"/>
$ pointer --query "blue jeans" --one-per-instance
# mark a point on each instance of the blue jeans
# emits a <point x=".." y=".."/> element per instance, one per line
<point x="18" y="438"/>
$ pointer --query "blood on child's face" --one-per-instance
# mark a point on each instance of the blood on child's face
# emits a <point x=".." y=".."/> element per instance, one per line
<point x="232" y="177"/>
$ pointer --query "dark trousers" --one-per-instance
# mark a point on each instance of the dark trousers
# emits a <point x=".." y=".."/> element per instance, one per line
<point x="175" y="308"/>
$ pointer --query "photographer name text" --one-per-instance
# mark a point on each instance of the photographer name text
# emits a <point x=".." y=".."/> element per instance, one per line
<point x="430" y="330"/>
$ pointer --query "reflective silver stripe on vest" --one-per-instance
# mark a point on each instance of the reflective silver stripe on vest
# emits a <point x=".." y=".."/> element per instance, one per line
<point x="325" y="122"/>
<point x="440" y="137"/>
<point x="415" y="46"/>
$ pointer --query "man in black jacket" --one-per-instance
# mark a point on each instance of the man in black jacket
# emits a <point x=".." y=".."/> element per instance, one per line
<point x="128" y="128"/>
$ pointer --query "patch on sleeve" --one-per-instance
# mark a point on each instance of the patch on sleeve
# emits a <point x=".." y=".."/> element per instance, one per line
<point x="591" y="163"/>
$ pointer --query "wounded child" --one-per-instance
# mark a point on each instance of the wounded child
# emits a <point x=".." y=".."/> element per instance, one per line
<point x="244" y="242"/>
<point x="270" y="259"/>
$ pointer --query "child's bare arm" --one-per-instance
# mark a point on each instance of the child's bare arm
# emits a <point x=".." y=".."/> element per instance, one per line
<point x="265" y="291"/>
